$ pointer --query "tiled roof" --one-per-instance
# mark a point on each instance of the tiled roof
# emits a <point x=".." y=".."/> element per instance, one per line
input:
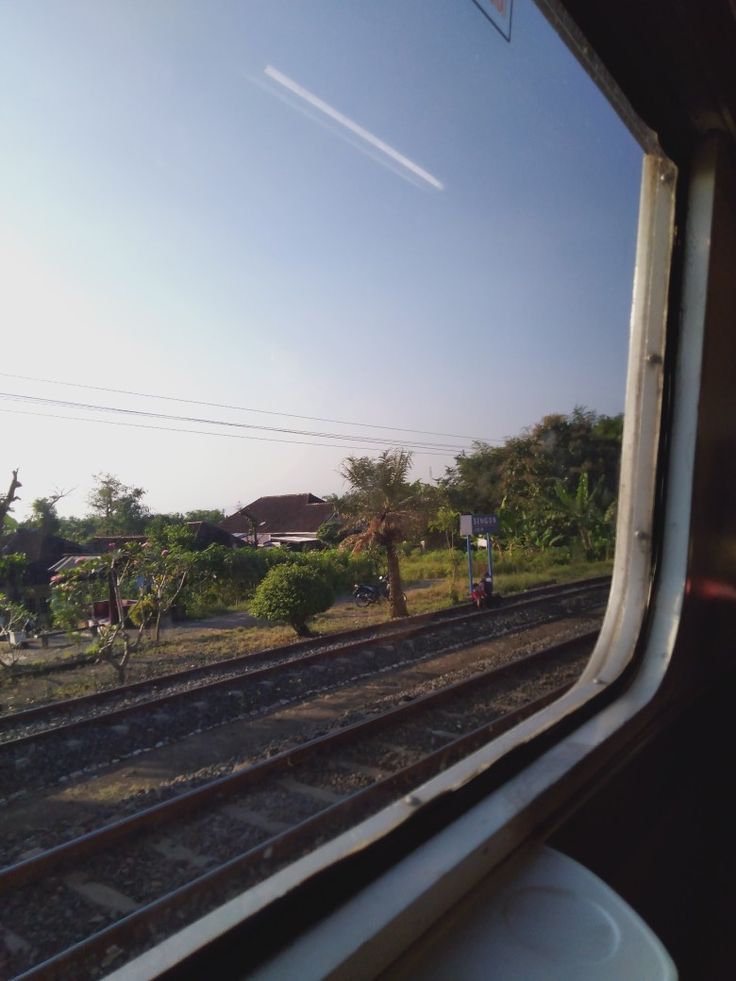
<point x="36" y="546"/>
<point x="280" y="515"/>
<point x="40" y="550"/>
<point x="206" y="533"/>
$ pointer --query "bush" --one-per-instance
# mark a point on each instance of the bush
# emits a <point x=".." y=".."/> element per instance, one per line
<point x="13" y="614"/>
<point x="225" y="577"/>
<point x="341" y="569"/>
<point x="291" y="593"/>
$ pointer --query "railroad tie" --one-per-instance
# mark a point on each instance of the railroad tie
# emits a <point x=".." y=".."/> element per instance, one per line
<point x="449" y="716"/>
<point x="320" y="794"/>
<point x="382" y="746"/>
<point x="13" y="943"/>
<point x="242" y="813"/>
<point x="443" y="734"/>
<point x="376" y="773"/>
<point x="180" y="853"/>
<point x="100" y="894"/>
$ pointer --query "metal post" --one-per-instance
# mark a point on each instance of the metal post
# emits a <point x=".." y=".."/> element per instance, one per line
<point x="489" y="549"/>
<point x="470" y="565"/>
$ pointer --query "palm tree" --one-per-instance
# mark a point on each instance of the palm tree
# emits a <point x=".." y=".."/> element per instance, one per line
<point x="385" y="504"/>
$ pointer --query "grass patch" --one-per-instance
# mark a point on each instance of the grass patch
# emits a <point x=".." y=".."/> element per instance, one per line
<point x="515" y="582"/>
<point x="511" y="573"/>
<point x="213" y="643"/>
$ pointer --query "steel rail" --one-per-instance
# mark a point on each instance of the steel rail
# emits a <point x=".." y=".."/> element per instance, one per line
<point x="50" y="754"/>
<point x="418" y="626"/>
<point x="34" y="868"/>
<point x="210" y="889"/>
<point x="140" y="927"/>
<point x="373" y="632"/>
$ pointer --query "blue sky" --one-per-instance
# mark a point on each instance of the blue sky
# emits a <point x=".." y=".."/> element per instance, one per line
<point x="179" y="220"/>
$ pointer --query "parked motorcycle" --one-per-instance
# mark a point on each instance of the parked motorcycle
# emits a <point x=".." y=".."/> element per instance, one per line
<point x="366" y="595"/>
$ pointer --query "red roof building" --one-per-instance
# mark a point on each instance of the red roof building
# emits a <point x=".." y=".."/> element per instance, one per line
<point x="280" y="519"/>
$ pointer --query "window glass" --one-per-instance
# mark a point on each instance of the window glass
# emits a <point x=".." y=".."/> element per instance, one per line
<point x="300" y="285"/>
<point x="378" y="213"/>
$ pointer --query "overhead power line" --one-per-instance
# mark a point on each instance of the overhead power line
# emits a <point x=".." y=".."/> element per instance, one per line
<point x="203" y="432"/>
<point x="243" y="408"/>
<point x="146" y="413"/>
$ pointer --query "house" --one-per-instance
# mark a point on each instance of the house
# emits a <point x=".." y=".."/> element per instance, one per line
<point x="41" y="551"/>
<point x="289" y="520"/>
<point x="206" y="533"/>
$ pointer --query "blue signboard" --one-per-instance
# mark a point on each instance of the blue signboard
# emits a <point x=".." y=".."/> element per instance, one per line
<point x="498" y="13"/>
<point x="485" y="524"/>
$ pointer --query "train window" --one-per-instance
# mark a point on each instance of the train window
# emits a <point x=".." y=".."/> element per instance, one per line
<point x="426" y="216"/>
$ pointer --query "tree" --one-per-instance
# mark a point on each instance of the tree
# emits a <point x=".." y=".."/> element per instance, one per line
<point x="162" y="574"/>
<point x="213" y="515"/>
<point x="78" y="529"/>
<point x="291" y="594"/>
<point x="105" y="576"/>
<point x="386" y="505"/>
<point x="6" y="503"/>
<point x="12" y="573"/>
<point x="581" y="510"/>
<point x="521" y="479"/>
<point x="168" y="530"/>
<point x="44" y="516"/>
<point x="12" y="617"/>
<point x="12" y="614"/>
<point x="118" y="508"/>
<point x="447" y="521"/>
<point x="331" y="532"/>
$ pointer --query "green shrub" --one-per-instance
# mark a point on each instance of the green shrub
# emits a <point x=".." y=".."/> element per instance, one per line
<point x="342" y="569"/>
<point x="291" y="593"/>
<point x="75" y="591"/>
<point x="13" y="614"/>
<point x="225" y="577"/>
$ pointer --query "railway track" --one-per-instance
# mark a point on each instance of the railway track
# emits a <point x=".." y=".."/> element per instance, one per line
<point x="52" y="743"/>
<point x="122" y="887"/>
<point x="56" y="714"/>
